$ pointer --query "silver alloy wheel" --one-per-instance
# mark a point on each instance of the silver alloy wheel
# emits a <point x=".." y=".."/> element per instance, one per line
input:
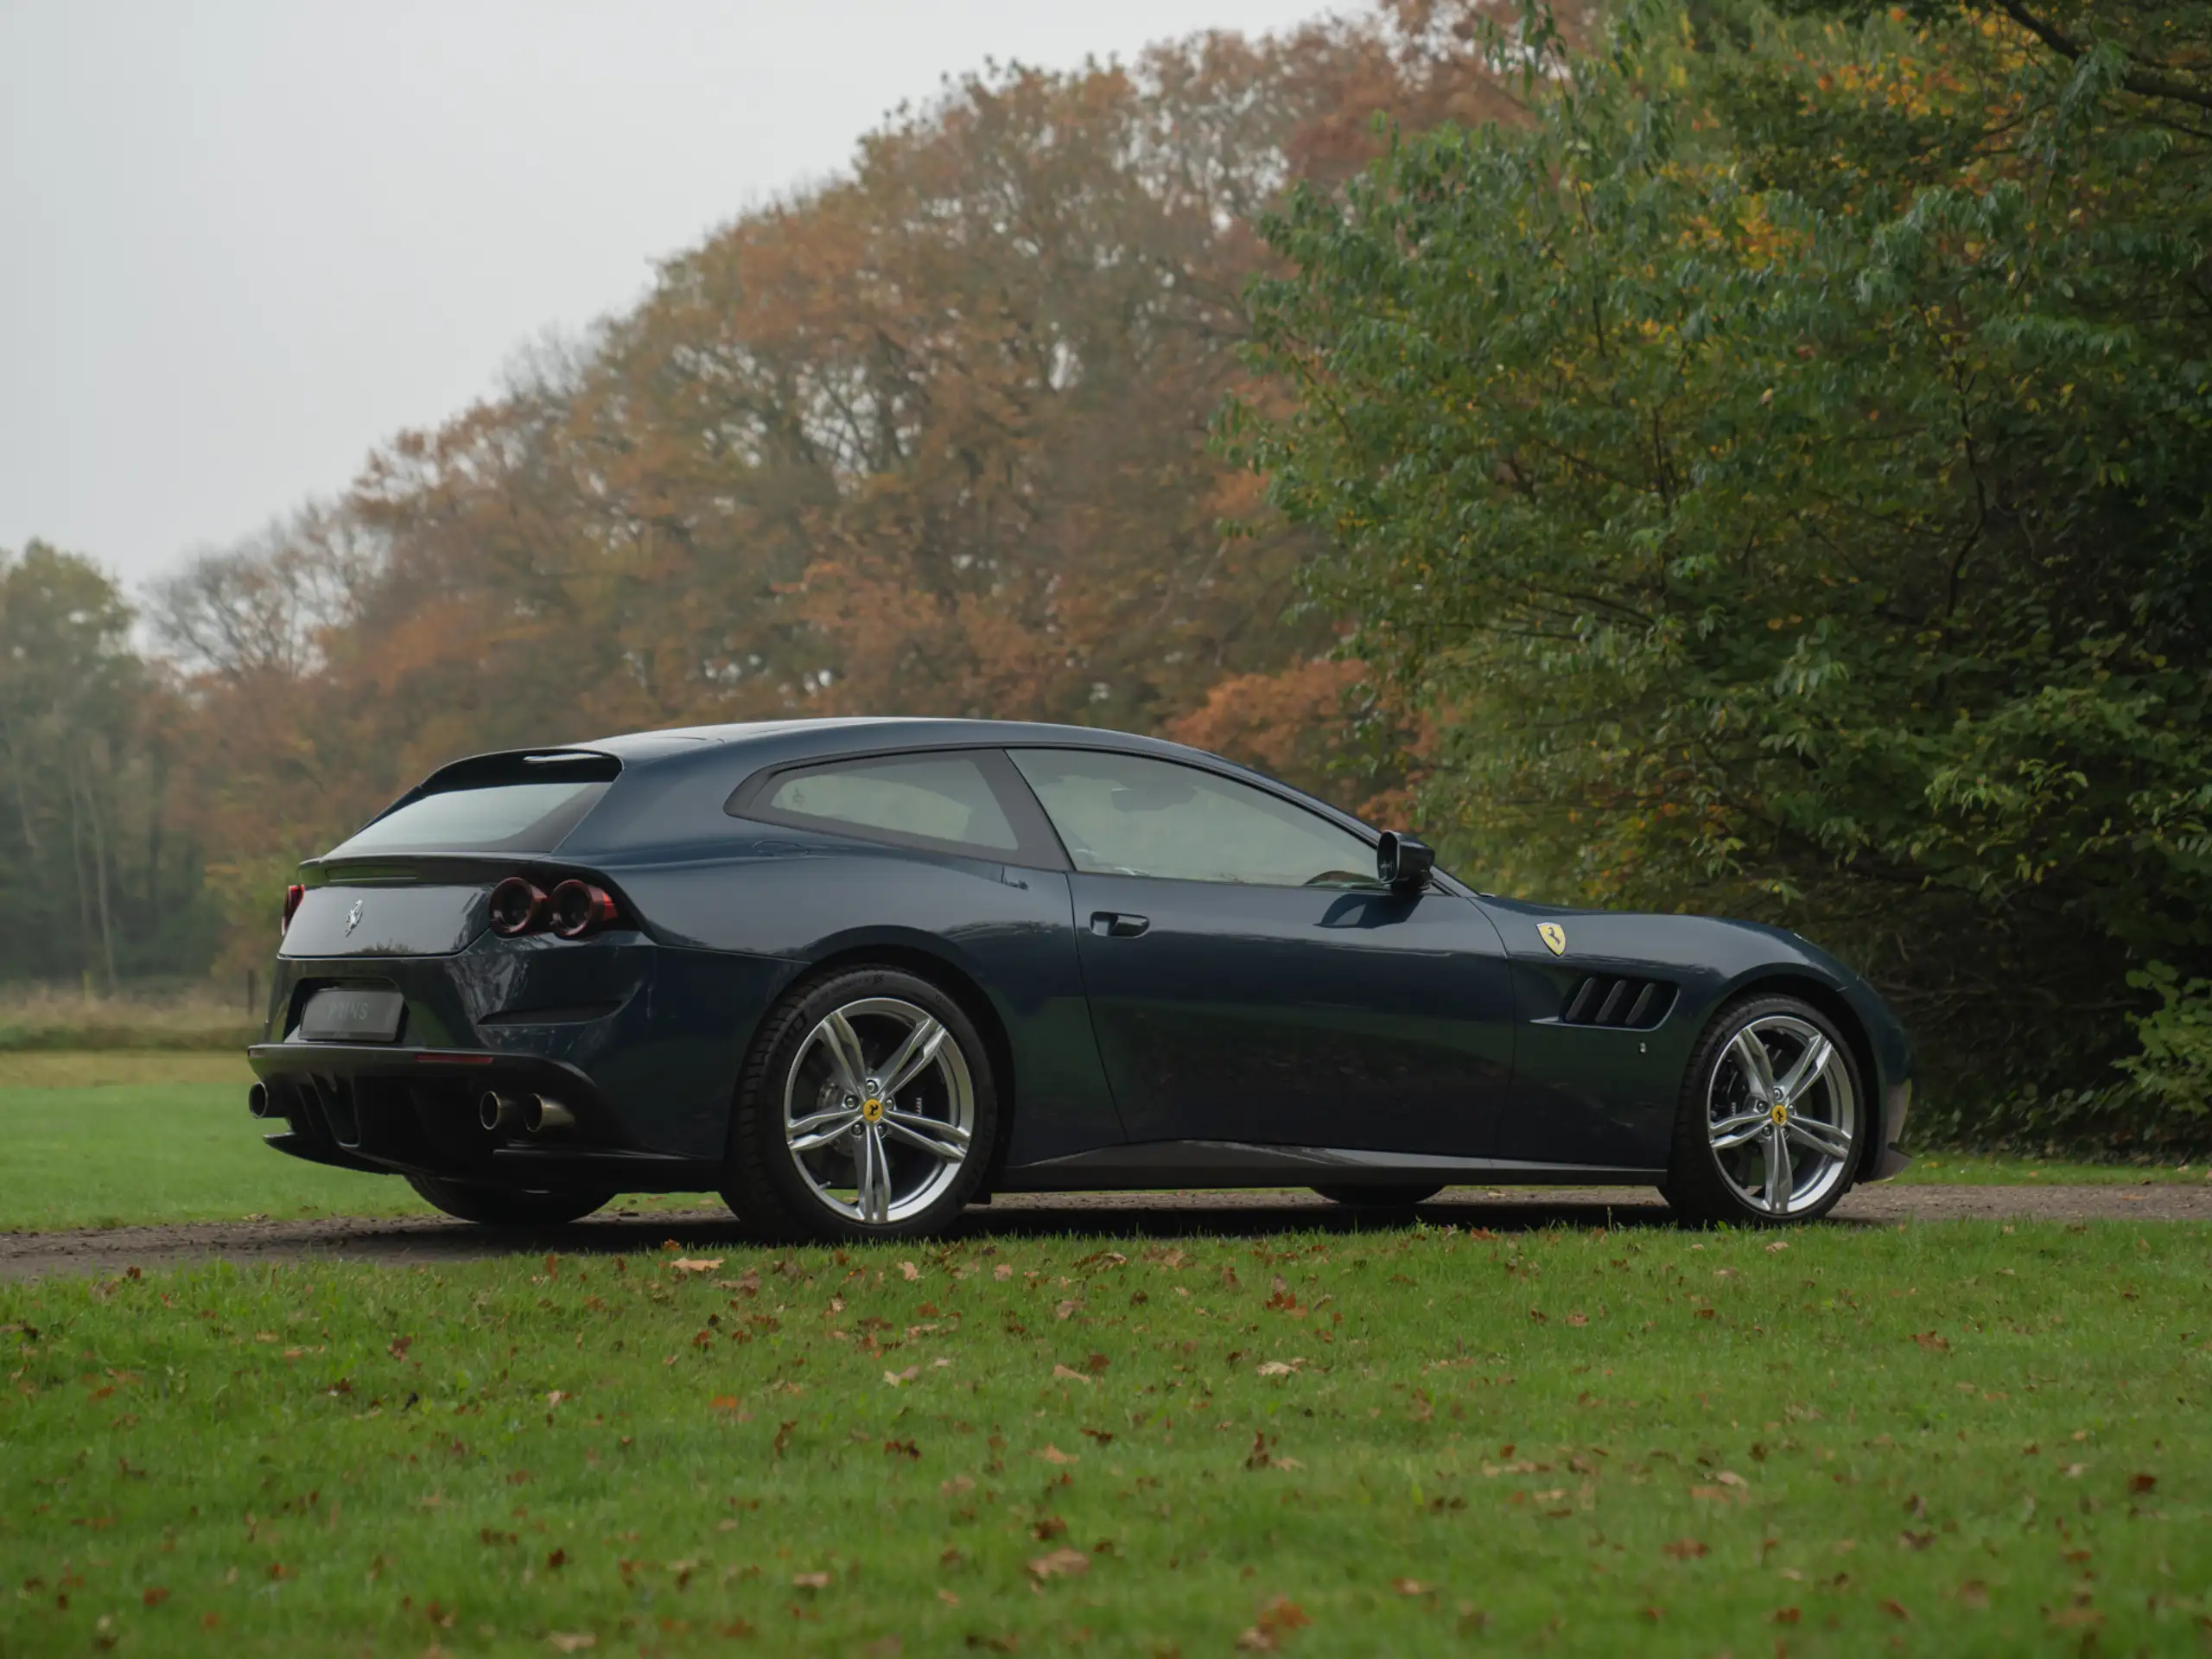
<point x="1781" y="1115"/>
<point x="879" y="1110"/>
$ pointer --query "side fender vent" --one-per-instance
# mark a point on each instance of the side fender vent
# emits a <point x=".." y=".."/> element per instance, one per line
<point x="1612" y="999"/>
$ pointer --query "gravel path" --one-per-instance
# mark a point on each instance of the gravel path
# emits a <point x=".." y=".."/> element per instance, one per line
<point x="1158" y="1214"/>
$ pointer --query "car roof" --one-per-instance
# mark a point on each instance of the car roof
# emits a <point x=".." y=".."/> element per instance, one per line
<point x="782" y="739"/>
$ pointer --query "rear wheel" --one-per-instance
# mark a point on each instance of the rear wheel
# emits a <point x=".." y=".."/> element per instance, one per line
<point x="1384" y="1197"/>
<point x="504" y="1206"/>
<point x="1768" y="1126"/>
<point x="867" y="1109"/>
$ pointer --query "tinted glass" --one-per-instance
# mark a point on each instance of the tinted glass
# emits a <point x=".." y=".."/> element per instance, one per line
<point x="1122" y="816"/>
<point x="938" y="796"/>
<point x="501" y="818"/>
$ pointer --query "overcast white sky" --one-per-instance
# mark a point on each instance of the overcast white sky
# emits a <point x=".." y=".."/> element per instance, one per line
<point x="243" y="240"/>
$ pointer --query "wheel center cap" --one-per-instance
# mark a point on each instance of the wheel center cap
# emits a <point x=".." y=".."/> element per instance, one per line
<point x="1781" y="1112"/>
<point x="872" y="1109"/>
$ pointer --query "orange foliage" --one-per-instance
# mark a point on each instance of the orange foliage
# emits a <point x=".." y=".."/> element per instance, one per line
<point x="934" y="438"/>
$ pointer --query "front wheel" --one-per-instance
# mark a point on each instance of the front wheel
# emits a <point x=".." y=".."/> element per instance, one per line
<point x="504" y="1206"/>
<point x="867" y="1109"/>
<point x="1381" y="1198"/>
<point x="1767" y="1129"/>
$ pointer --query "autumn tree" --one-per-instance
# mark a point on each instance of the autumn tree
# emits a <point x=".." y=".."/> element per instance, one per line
<point x="931" y="438"/>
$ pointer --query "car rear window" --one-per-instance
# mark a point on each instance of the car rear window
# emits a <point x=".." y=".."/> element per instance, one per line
<point x="531" y="817"/>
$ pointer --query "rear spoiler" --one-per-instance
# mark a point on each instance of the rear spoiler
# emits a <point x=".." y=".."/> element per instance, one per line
<point x="512" y="766"/>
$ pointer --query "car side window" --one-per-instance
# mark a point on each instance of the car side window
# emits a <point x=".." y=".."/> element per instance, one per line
<point x="936" y="798"/>
<point x="1124" y="815"/>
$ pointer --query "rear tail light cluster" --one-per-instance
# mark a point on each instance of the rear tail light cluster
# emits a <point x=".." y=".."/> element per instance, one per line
<point x="293" y="894"/>
<point x="572" y="911"/>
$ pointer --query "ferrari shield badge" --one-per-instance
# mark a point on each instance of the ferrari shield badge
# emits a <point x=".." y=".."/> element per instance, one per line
<point x="1553" y="936"/>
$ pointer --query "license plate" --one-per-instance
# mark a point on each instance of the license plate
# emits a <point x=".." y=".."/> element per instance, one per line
<point x="343" y="1015"/>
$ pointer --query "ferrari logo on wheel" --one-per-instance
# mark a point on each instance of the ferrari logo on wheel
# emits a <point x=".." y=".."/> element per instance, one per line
<point x="1553" y="936"/>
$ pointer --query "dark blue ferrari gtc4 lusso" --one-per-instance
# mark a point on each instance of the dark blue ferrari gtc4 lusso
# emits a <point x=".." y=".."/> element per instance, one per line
<point x="855" y="974"/>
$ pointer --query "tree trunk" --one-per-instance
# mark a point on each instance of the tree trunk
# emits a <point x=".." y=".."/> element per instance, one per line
<point x="23" y="800"/>
<point x="100" y="881"/>
<point x="77" y="862"/>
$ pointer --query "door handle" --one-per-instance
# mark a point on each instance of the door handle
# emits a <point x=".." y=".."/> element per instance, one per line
<point x="1112" y="924"/>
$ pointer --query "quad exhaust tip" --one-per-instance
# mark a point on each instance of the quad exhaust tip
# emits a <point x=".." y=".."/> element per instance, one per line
<point x="497" y="1111"/>
<point x="543" y="1116"/>
<point x="531" y="1114"/>
<point x="256" y="1100"/>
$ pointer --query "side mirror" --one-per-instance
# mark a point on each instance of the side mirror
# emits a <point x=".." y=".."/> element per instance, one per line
<point x="1401" y="862"/>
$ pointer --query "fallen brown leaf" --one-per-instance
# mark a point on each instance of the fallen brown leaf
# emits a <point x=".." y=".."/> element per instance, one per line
<point x="1061" y="1563"/>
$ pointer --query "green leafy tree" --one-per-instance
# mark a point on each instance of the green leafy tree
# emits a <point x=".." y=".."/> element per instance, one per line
<point x="1784" y="470"/>
<point x="92" y="886"/>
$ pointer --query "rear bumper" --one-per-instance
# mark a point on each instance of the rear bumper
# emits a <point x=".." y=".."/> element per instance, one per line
<point x="640" y="1041"/>
<point x="414" y="1112"/>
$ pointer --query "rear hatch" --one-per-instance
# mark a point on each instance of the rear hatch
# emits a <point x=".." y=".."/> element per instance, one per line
<point x="416" y="880"/>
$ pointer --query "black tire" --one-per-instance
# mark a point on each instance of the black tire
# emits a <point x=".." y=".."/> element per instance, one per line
<point x="1698" y="1188"/>
<point x="1382" y="1197"/>
<point x="505" y="1206"/>
<point x="780" y="1195"/>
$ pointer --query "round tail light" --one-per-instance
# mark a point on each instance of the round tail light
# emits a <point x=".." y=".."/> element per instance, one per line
<point x="517" y="906"/>
<point x="579" y="908"/>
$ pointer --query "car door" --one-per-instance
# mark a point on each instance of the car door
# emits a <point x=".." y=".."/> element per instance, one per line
<point x="1251" y="981"/>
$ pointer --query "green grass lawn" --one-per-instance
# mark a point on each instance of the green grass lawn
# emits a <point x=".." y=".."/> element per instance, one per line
<point x="101" y="1141"/>
<point x="113" y="1138"/>
<point x="1956" y="1439"/>
<point x="1979" y="1169"/>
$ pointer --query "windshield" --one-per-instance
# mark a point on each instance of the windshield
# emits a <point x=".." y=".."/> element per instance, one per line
<point x="531" y="817"/>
